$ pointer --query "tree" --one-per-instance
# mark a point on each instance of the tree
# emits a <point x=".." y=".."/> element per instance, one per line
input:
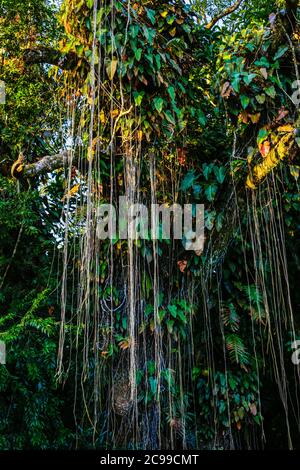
<point x="164" y="103"/>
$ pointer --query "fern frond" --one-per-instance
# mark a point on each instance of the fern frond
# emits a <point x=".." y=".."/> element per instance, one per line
<point x="237" y="350"/>
<point x="230" y="316"/>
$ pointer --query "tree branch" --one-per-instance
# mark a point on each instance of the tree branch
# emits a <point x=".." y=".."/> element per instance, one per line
<point x="45" y="55"/>
<point x="226" y="12"/>
<point x="42" y="166"/>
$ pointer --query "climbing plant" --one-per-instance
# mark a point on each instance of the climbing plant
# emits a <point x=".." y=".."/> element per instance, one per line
<point x="165" y="102"/>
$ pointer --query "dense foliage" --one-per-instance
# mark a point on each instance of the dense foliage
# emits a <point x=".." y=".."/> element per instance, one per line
<point x="210" y="112"/>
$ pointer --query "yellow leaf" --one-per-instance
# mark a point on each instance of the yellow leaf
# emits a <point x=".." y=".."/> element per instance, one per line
<point x="173" y="32"/>
<point x="124" y="344"/>
<point x="255" y="118"/>
<point x="68" y="27"/>
<point x="152" y="326"/>
<point x="114" y="113"/>
<point x="271" y="159"/>
<point x="286" y="128"/>
<point x="111" y="68"/>
<point x="73" y="190"/>
<point x="249" y="183"/>
<point x="163" y="13"/>
<point x="102" y="117"/>
<point x="95" y="142"/>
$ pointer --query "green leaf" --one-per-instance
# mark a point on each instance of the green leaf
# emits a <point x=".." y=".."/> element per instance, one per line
<point x="196" y="189"/>
<point x="153" y="384"/>
<point x="260" y="98"/>
<point x="161" y="315"/>
<point x="201" y="117"/>
<point x="250" y="46"/>
<point x="88" y="24"/>
<point x="236" y="84"/>
<point x="237" y="349"/>
<point x="134" y="29"/>
<point x="270" y="91"/>
<point x="211" y="191"/>
<point x="262" y="62"/>
<point x="149" y="34"/>
<point x="151" y="367"/>
<point x="220" y="173"/>
<point x="138" y="54"/>
<point x="181" y="315"/>
<point x="148" y="310"/>
<point x="173" y="310"/>
<point x="79" y="49"/>
<point x="262" y="135"/>
<point x="219" y="222"/>
<point x="151" y="15"/>
<point x="248" y="78"/>
<point x="171" y="92"/>
<point x="188" y="181"/>
<point x="245" y="100"/>
<point x="158" y="61"/>
<point x="90" y="3"/>
<point x="138" y="96"/>
<point x="281" y="51"/>
<point x="207" y="169"/>
<point x="158" y="104"/>
<point x="170" y="324"/>
<point x="170" y="117"/>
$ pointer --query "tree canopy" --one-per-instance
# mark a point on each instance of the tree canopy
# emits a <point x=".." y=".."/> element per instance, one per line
<point x="144" y="343"/>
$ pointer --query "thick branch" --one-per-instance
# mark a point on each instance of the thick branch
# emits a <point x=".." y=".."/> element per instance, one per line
<point x="42" y="166"/>
<point x="45" y="55"/>
<point x="224" y="13"/>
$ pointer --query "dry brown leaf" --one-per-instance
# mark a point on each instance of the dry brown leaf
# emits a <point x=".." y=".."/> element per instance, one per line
<point x="253" y="409"/>
<point x="243" y="116"/>
<point x="264" y="148"/>
<point x="264" y="73"/>
<point x="182" y="265"/>
<point x="226" y="90"/>
<point x="254" y="118"/>
<point x="124" y="344"/>
<point x="282" y="114"/>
